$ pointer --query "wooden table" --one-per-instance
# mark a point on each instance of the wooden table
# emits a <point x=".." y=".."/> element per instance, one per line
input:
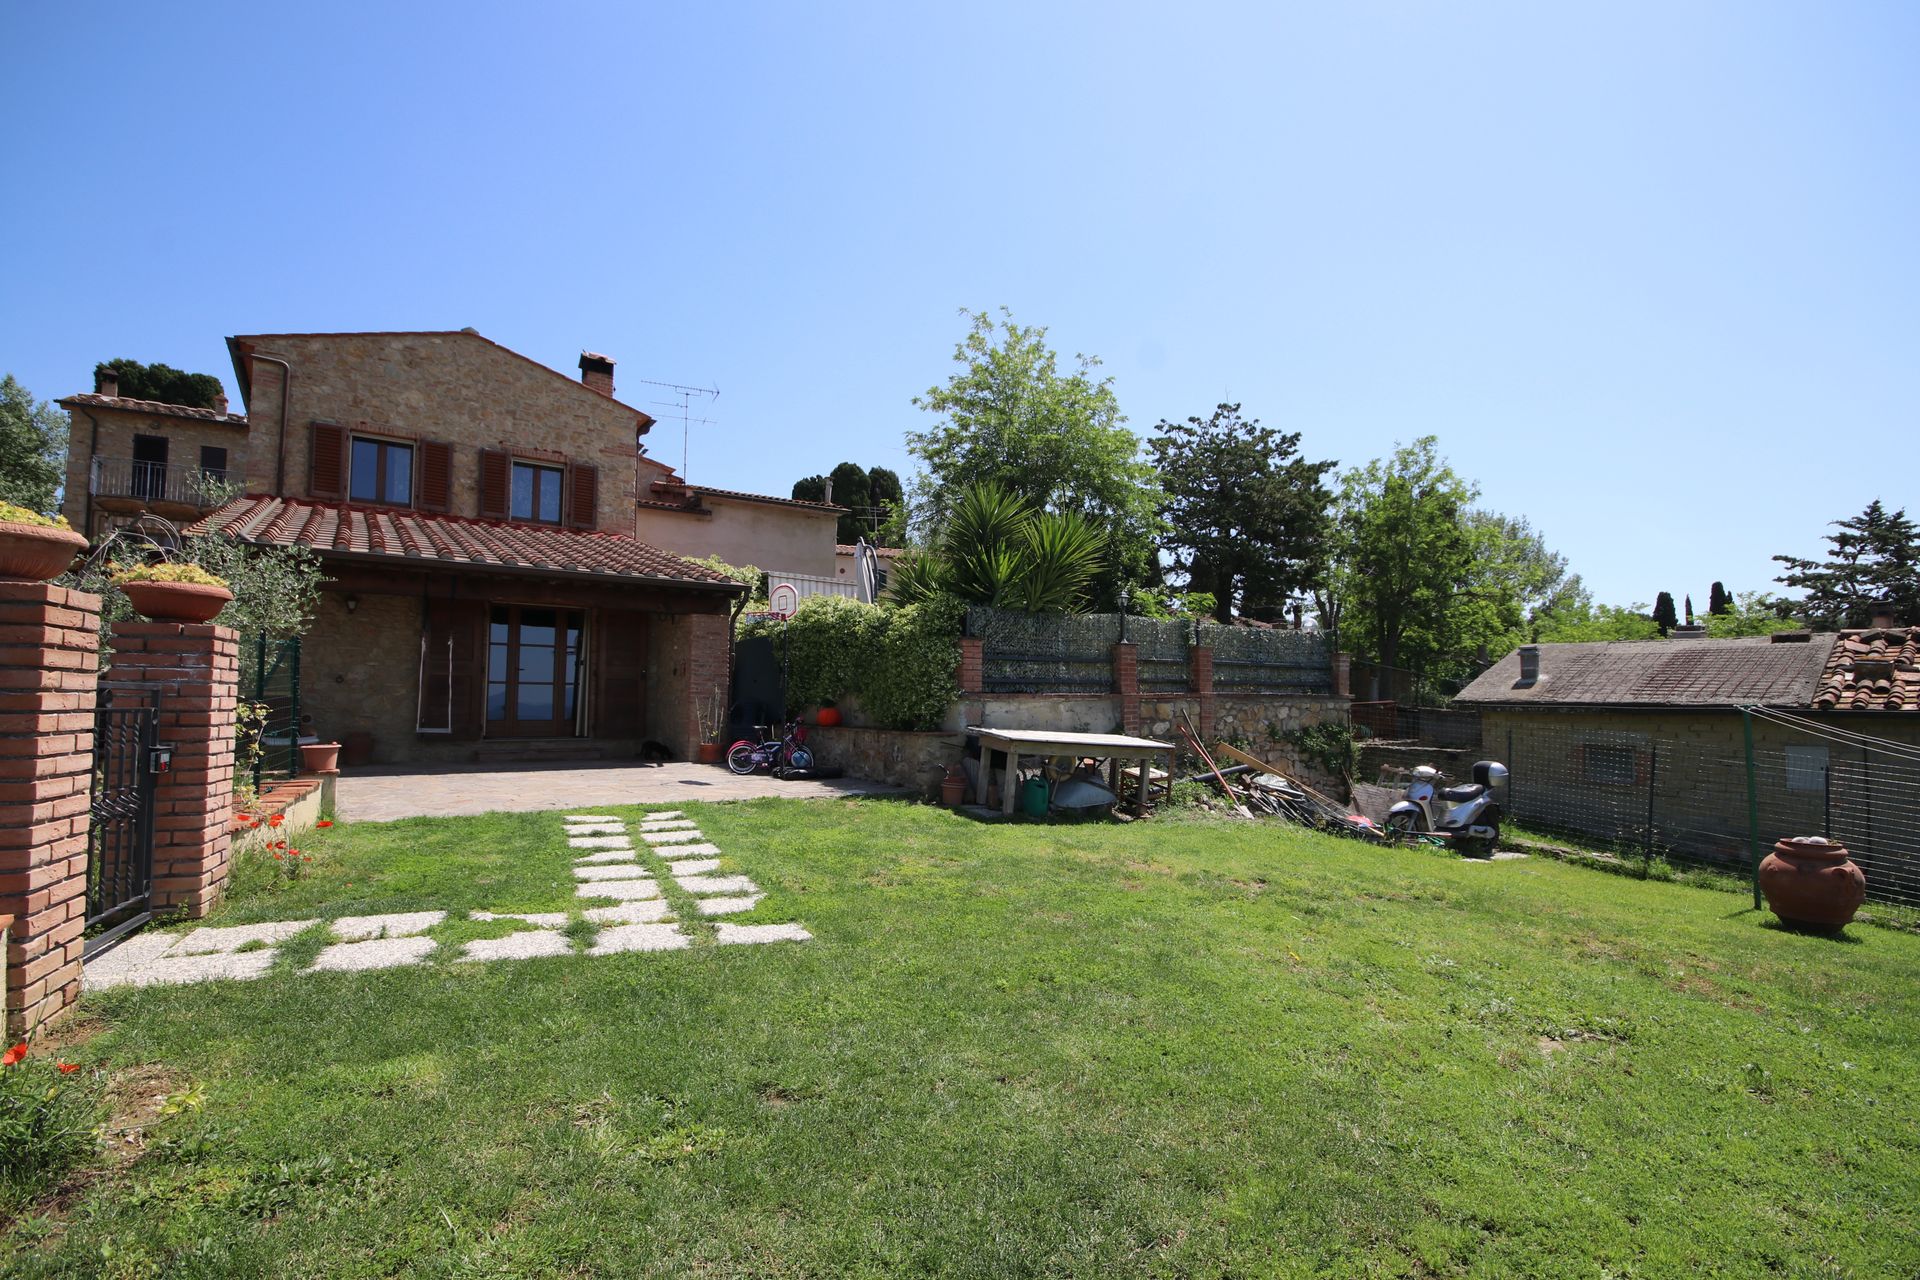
<point x="1111" y="747"/>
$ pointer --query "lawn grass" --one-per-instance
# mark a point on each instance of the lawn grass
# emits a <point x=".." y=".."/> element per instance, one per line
<point x="1178" y="1047"/>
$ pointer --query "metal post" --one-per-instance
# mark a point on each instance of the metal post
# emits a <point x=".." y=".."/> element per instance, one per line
<point x="1753" y="805"/>
<point x="1826" y="801"/>
<point x="259" y="697"/>
<point x="293" y="733"/>
<point x="1513" y="772"/>
<point x="1653" y="769"/>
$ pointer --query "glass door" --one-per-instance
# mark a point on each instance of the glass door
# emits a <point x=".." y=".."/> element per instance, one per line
<point x="533" y="671"/>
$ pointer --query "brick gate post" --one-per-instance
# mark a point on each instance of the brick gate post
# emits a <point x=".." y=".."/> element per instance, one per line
<point x="195" y="671"/>
<point x="1200" y="674"/>
<point x="1126" y="683"/>
<point x="49" y="660"/>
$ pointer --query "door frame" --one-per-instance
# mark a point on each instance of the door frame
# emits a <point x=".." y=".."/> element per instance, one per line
<point x="511" y="725"/>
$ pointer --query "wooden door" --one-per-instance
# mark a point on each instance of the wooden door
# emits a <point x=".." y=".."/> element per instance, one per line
<point x="533" y="670"/>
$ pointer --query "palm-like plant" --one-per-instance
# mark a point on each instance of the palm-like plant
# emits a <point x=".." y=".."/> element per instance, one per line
<point x="997" y="549"/>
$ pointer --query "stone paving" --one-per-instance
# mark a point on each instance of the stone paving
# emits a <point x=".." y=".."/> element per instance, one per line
<point x="613" y="869"/>
<point x="382" y="793"/>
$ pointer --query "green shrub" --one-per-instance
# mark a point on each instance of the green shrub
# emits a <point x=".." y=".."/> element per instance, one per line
<point x="1332" y="746"/>
<point x="898" y="660"/>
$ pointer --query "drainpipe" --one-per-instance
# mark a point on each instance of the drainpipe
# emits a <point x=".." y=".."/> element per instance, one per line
<point x="280" y="454"/>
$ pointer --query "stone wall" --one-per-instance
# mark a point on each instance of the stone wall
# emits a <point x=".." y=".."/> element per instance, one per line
<point x="455" y="387"/>
<point x="916" y="761"/>
<point x="360" y="673"/>
<point x="690" y="661"/>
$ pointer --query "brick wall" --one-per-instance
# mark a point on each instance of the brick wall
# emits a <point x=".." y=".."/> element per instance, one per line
<point x="454" y="387"/>
<point x="48" y="661"/>
<point x="193" y="671"/>
<point x="689" y="662"/>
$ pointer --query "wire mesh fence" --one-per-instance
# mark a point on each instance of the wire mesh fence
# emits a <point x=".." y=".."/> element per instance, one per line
<point x="1268" y="659"/>
<point x="1685" y="799"/>
<point x="1038" y="653"/>
<point x="1164" y="647"/>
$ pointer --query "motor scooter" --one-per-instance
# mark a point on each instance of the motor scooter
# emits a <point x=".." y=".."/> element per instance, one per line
<point x="1468" y="816"/>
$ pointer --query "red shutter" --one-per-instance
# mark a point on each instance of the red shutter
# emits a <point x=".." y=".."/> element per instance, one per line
<point x="436" y="476"/>
<point x="583" y="495"/>
<point x="327" y="461"/>
<point x="452" y="677"/>
<point x="496" y="480"/>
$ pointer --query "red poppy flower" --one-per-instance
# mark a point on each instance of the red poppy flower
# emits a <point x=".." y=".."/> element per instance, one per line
<point x="277" y="855"/>
<point x="306" y="857"/>
<point x="67" y="1068"/>
<point x="324" y="823"/>
<point x="244" y="817"/>
<point x="14" y="1054"/>
<point x="276" y="819"/>
<point x="254" y="823"/>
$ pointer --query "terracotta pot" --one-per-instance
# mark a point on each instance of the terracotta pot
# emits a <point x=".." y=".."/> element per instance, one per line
<point x="953" y="787"/>
<point x="319" y="757"/>
<point x="177" y="601"/>
<point x="37" y="552"/>
<point x="828" y="717"/>
<point x="707" y="753"/>
<point x="1810" y="880"/>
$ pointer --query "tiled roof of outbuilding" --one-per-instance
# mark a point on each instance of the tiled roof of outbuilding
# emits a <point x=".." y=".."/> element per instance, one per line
<point x="1872" y="671"/>
<point x="451" y="542"/>
<point x="90" y="400"/>
<point x="1667" y="673"/>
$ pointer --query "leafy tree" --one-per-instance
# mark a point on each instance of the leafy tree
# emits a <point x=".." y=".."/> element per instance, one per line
<point x="996" y="548"/>
<point x="1011" y="418"/>
<point x="889" y="501"/>
<point x="1664" y="615"/>
<point x="1402" y="553"/>
<point x="870" y="499"/>
<point x="33" y="449"/>
<point x="1718" y="601"/>
<point x="1586" y="621"/>
<point x="163" y="382"/>
<point x="1873" y="558"/>
<point x="1512" y="578"/>
<point x="1753" y="614"/>
<point x="1246" y="516"/>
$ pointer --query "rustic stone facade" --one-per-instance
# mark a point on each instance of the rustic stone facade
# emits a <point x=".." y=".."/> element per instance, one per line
<point x="191" y="671"/>
<point x="48" y="666"/>
<point x="691" y="666"/>
<point x="107" y="433"/>
<point x="458" y="388"/>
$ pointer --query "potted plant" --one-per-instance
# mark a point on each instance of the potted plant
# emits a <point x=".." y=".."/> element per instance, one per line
<point x="33" y="546"/>
<point x="829" y="714"/>
<point x="173" y="592"/>
<point x="1812" y="882"/>
<point x="319" y="757"/>
<point x="712" y="712"/>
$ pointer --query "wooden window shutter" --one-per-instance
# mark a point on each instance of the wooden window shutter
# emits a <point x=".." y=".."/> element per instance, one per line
<point x="496" y="483"/>
<point x="436" y="476"/>
<point x="327" y="462"/>
<point x="583" y="495"/>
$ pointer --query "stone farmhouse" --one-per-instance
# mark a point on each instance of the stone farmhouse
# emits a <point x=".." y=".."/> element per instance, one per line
<point x="487" y="526"/>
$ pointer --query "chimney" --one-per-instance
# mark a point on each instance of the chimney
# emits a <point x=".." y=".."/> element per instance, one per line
<point x="827" y="497"/>
<point x="596" y="371"/>
<point x="106" y="382"/>
<point x="1529" y="667"/>
<point x="1883" y="619"/>
<point x="220" y="403"/>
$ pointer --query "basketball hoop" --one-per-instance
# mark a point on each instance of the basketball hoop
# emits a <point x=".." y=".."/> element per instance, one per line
<point x="783" y="599"/>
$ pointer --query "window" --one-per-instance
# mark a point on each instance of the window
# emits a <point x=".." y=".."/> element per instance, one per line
<point x="1609" y="766"/>
<point x="536" y="493"/>
<point x="382" y="471"/>
<point x="213" y="459"/>
<point x="1807" y="769"/>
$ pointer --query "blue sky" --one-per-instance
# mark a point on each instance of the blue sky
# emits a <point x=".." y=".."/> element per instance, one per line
<point x="1648" y="271"/>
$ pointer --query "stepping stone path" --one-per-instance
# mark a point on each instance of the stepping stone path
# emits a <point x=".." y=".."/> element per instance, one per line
<point x="608" y="868"/>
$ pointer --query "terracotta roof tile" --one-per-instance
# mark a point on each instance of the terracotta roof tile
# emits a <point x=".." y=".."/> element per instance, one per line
<point x="415" y="536"/>
<point x="1872" y="671"/>
<point x="91" y="400"/>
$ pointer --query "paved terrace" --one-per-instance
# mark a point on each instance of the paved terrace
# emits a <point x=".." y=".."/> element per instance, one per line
<point x="383" y="793"/>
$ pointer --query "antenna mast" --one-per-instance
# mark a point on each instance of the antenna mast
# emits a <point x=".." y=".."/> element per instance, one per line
<point x="685" y="405"/>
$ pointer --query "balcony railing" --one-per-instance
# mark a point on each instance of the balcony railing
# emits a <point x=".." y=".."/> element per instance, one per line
<point x="187" y="485"/>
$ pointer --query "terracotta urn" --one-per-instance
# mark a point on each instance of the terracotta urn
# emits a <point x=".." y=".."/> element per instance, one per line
<point x="953" y="787"/>
<point x="37" y="552"/>
<point x="828" y="717"/>
<point x="177" y="601"/>
<point x="707" y="753"/>
<point x="1810" y="880"/>
<point x="320" y="757"/>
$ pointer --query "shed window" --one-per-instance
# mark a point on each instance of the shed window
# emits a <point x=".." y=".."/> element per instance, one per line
<point x="1608" y="766"/>
<point x="1807" y="769"/>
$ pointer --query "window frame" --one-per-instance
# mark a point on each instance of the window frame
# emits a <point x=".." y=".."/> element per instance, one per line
<point x="1621" y="767"/>
<point x="559" y="470"/>
<point x="384" y="446"/>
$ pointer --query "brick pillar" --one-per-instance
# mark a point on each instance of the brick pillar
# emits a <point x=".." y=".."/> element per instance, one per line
<point x="1343" y="675"/>
<point x="972" y="674"/>
<point x="1200" y="673"/>
<point x="709" y="669"/>
<point x="194" y="671"/>
<point x="1126" y="683"/>
<point x="48" y="667"/>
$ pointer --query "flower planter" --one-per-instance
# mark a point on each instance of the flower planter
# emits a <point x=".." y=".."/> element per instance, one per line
<point x="1811" y="881"/>
<point x="37" y="552"/>
<point x="707" y="753"/>
<point x="319" y="757"/>
<point x="953" y="787"/>
<point x="177" y="601"/>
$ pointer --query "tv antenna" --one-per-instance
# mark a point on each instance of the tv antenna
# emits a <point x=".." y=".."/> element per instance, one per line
<point x="685" y="405"/>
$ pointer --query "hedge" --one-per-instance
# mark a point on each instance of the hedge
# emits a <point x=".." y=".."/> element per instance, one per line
<point x="899" y="661"/>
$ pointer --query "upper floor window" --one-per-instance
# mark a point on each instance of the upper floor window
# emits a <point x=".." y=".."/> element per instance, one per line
<point x="536" y="492"/>
<point x="382" y="471"/>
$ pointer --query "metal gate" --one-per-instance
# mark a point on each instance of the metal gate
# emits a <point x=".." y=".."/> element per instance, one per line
<point x="120" y="846"/>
